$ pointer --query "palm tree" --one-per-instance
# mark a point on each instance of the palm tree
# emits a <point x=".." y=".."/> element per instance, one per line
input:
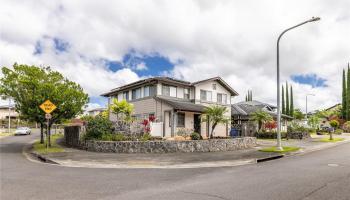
<point x="261" y="117"/>
<point x="215" y="115"/>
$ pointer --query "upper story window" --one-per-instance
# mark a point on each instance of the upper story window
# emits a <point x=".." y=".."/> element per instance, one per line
<point x="169" y="90"/>
<point x="221" y="98"/>
<point x="206" y="95"/>
<point x="149" y="90"/>
<point x="186" y="93"/>
<point x="136" y="93"/>
<point x="126" y="95"/>
<point x="214" y="86"/>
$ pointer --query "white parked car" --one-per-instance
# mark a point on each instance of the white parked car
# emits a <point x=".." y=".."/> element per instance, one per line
<point x="23" y="131"/>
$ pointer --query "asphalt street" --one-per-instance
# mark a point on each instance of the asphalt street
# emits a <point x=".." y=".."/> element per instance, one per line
<point x="318" y="175"/>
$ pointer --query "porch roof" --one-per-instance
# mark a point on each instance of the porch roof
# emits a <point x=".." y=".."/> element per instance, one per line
<point x="181" y="104"/>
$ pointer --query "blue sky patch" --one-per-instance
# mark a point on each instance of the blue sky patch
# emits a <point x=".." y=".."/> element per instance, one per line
<point x="38" y="48"/>
<point x="60" y="45"/>
<point x="310" y="79"/>
<point x="102" y="101"/>
<point x="143" y="65"/>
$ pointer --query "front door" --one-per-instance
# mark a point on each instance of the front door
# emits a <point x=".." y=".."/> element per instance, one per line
<point x="197" y="123"/>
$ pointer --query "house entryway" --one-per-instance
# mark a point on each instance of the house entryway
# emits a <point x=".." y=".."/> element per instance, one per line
<point x="197" y="123"/>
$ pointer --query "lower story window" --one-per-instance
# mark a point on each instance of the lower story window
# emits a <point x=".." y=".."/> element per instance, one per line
<point x="181" y="119"/>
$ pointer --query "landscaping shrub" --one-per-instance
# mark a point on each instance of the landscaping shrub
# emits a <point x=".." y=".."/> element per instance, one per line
<point x="107" y="137"/>
<point x="269" y="135"/>
<point x="97" y="127"/>
<point x="184" y="132"/>
<point x="195" y="136"/>
<point x="346" y="126"/>
<point x="146" y="137"/>
<point x="119" y="137"/>
<point x="338" y="131"/>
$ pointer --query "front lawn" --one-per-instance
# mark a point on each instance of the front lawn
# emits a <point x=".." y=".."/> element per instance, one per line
<point x="55" y="148"/>
<point x="328" y="140"/>
<point x="285" y="149"/>
<point x="6" y="134"/>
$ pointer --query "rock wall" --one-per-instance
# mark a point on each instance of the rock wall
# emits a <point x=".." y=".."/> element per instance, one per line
<point x="212" y="145"/>
<point x="72" y="135"/>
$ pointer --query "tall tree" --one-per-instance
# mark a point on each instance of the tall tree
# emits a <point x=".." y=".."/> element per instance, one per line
<point x="261" y="117"/>
<point x="287" y="100"/>
<point x="291" y="109"/>
<point x="283" y="102"/>
<point x="246" y="97"/>
<point x="30" y="86"/>
<point x="348" y="95"/>
<point x="251" y="95"/>
<point x="344" y="97"/>
<point x="215" y="115"/>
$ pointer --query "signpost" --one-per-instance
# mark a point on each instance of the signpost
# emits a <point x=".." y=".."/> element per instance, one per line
<point x="48" y="107"/>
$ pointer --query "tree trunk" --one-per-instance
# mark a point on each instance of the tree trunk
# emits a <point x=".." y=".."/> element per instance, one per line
<point x="41" y="133"/>
<point x="212" y="130"/>
<point x="331" y="135"/>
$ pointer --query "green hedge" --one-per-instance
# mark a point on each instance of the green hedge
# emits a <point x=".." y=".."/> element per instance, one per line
<point x="270" y="135"/>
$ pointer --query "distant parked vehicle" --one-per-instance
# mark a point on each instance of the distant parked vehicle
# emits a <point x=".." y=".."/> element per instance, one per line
<point x="23" y="131"/>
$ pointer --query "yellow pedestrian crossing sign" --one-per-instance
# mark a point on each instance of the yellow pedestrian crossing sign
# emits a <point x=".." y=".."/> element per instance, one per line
<point x="48" y="106"/>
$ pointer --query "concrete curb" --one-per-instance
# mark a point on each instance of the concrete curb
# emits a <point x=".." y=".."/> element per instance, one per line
<point x="230" y="163"/>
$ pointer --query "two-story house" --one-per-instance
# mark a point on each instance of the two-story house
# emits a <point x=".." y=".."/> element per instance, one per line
<point x="175" y="103"/>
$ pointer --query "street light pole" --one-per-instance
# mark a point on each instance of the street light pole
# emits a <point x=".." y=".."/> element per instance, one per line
<point x="279" y="143"/>
<point x="306" y="105"/>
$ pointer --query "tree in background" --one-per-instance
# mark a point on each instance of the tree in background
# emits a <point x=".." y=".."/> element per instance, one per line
<point x="298" y="114"/>
<point x="314" y="121"/>
<point x="291" y="109"/>
<point x="261" y="117"/>
<point x="283" y="102"/>
<point x="122" y="109"/>
<point x="215" y="115"/>
<point x="287" y="100"/>
<point x="30" y="86"/>
<point x="249" y="96"/>
<point x="344" y="97"/>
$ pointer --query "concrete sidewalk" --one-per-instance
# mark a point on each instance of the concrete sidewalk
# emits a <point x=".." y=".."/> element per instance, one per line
<point x="80" y="158"/>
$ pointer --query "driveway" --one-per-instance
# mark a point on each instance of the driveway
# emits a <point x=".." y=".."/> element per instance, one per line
<point x="317" y="175"/>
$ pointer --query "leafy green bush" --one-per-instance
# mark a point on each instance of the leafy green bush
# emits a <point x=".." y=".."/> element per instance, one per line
<point x="270" y="135"/>
<point x="119" y="137"/>
<point x="334" y="123"/>
<point x="195" y="136"/>
<point x="338" y="131"/>
<point x="146" y="137"/>
<point x="98" y="127"/>
<point x="107" y="137"/>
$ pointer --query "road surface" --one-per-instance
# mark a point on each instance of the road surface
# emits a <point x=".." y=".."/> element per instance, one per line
<point x="319" y="175"/>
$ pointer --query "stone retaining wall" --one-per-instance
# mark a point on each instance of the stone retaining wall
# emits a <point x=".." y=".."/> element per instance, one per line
<point x="72" y="135"/>
<point x="170" y="146"/>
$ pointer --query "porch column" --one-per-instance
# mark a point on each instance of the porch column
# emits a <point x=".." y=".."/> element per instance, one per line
<point x="173" y="122"/>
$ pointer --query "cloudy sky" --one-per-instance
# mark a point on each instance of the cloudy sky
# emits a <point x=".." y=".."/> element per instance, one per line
<point x="105" y="44"/>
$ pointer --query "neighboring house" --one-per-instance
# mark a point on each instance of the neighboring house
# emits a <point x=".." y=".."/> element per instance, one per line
<point x="175" y="103"/>
<point x="242" y="112"/>
<point x="324" y="122"/>
<point x="96" y="111"/>
<point x="6" y="113"/>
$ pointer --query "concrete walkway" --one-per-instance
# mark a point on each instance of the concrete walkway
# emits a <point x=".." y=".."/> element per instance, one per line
<point x="80" y="158"/>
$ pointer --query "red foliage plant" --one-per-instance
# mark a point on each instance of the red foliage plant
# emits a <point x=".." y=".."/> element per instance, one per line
<point x="151" y="118"/>
<point x="145" y="122"/>
<point x="271" y="125"/>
